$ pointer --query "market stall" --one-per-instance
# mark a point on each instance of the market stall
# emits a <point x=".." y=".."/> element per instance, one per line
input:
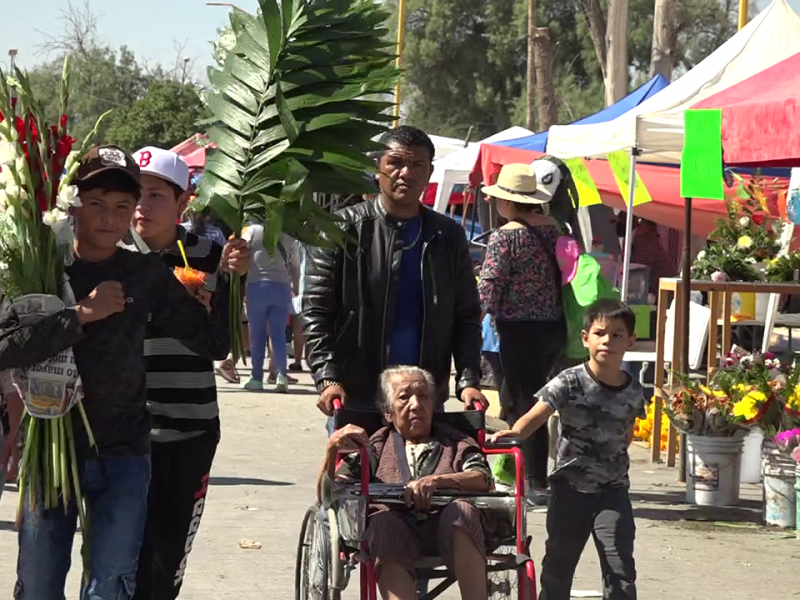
<point x="455" y="169"/>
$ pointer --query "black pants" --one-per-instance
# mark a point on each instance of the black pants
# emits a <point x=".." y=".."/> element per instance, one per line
<point x="572" y="517"/>
<point x="177" y="497"/>
<point x="493" y="358"/>
<point x="528" y="351"/>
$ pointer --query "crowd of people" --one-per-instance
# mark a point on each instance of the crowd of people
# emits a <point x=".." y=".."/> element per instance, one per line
<point x="386" y="316"/>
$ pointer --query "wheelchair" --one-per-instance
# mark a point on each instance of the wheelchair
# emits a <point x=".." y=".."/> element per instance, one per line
<point x="331" y="545"/>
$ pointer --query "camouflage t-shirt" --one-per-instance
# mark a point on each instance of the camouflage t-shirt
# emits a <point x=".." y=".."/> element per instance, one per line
<point x="595" y="419"/>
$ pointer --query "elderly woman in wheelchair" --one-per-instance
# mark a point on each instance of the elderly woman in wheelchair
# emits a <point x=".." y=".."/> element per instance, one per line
<point x="425" y="457"/>
<point x="422" y="507"/>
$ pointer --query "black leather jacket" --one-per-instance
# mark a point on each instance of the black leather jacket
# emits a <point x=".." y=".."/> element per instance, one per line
<point x="350" y="295"/>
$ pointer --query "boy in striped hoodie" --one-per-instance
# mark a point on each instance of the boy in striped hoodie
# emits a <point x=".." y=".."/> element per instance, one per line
<point x="181" y="386"/>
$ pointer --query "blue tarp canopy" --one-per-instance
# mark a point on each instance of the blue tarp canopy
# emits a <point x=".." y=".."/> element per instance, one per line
<point x="538" y="142"/>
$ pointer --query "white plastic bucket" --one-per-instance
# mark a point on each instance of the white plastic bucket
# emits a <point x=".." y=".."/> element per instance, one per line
<point x="712" y="470"/>
<point x="751" y="457"/>
<point x="780" y="496"/>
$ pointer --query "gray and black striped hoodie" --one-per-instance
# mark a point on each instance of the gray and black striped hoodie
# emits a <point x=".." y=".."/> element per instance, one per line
<point x="181" y="386"/>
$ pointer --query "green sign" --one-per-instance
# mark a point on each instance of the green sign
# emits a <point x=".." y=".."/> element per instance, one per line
<point x="701" y="160"/>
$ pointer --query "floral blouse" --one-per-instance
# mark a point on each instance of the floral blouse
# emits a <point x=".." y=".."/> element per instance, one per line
<point x="518" y="278"/>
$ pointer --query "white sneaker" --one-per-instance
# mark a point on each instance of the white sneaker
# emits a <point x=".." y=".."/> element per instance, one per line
<point x="281" y="384"/>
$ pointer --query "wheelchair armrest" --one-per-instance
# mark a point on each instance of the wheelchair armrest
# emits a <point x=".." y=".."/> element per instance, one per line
<point x="503" y="444"/>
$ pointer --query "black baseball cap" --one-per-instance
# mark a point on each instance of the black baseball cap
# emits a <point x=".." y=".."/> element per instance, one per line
<point x="102" y="159"/>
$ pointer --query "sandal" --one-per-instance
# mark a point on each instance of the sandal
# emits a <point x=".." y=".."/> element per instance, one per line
<point x="227" y="370"/>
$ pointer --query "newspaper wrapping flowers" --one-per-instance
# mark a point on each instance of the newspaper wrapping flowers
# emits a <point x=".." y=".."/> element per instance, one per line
<point x="37" y="163"/>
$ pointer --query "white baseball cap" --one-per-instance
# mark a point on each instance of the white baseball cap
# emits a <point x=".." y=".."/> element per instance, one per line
<point x="548" y="178"/>
<point x="163" y="164"/>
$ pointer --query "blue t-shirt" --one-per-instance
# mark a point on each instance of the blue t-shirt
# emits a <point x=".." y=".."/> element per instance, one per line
<point x="406" y="336"/>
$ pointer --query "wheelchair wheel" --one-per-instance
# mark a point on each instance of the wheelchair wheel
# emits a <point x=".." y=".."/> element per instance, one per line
<point x="313" y="563"/>
<point x="503" y="584"/>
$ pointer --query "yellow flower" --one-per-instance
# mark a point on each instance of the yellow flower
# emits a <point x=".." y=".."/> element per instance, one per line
<point x="745" y="241"/>
<point x="793" y="401"/>
<point x="748" y="406"/>
<point x="709" y="392"/>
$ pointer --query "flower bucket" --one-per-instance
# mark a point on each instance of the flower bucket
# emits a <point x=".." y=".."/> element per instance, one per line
<point x="780" y="504"/>
<point x="50" y="389"/>
<point x="797" y="497"/>
<point x="712" y="470"/>
<point x="751" y="457"/>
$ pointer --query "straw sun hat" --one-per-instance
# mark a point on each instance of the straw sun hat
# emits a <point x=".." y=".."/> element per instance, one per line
<point x="518" y="183"/>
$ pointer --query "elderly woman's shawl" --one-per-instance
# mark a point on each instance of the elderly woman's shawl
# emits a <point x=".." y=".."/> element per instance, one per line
<point x="448" y="451"/>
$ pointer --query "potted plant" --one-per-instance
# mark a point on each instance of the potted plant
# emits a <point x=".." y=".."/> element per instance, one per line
<point x="713" y="440"/>
<point x="766" y="394"/>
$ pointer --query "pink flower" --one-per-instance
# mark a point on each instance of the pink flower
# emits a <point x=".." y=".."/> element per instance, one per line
<point x="719" y="277"/>
<point x="796" y="454"/>
<point x="769" y="355"/>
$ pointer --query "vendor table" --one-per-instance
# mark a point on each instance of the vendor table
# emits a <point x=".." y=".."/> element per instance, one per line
<point x="719" y="298"/>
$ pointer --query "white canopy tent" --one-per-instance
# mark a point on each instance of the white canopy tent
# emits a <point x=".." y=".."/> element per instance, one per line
<point x="454" y="169"/>
<point x="655" y="128"/>
<point x="445" y="146"/>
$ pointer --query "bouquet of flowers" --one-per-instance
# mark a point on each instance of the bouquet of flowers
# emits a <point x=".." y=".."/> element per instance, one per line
<point x="765" y="391"/>
<point x="699" y="410"/>
<point x="747" y="236"/>
<point x="37" y="163"/>
<point x="788" y="442"/>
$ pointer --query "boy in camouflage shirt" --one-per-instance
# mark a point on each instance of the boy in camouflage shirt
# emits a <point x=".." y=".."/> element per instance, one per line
<point x="598" y="404"/>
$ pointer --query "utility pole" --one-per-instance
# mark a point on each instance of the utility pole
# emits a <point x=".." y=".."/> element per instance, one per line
<point x="401" y="26"/>
<point x="531" y="89"/>
<point x="744" y="9"/>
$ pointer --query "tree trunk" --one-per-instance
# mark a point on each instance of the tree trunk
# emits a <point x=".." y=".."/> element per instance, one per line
<point x="545" y="92"/>
<point x="663" y="39"/>
<point x="595" y="17"/>
<point x="531" y="89"/>
<point x="617" y="58"/>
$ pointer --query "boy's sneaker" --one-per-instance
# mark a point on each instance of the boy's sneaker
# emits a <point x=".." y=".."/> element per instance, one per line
<point x="281" y="384"/>
<point x="289" y="379"/>
<point x="254" y="385"/>
<point x="538" y="497"/>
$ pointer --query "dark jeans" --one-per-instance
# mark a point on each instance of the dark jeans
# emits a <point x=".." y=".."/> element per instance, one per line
<point x="175" y="506"/>
<point x="571" y="518"/>
<point x="528" y="351"/>
<point x="115" y="491"/>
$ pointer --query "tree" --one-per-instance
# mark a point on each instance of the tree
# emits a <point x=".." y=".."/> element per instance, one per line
<point x="104" y="78"/>
<point x="165" y="116"/>
<point x="664" y="40"/>
<point x="465" y="60"/>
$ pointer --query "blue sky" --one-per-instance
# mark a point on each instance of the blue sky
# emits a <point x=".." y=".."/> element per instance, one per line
<point x="151" y="28"/>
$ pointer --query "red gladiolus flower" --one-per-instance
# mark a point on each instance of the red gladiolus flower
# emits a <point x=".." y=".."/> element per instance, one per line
<point x="63" y="122"/>
<point x="758" y="218"/>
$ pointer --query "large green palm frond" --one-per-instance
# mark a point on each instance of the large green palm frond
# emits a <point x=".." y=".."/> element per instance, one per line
<point x="295" y="106"/>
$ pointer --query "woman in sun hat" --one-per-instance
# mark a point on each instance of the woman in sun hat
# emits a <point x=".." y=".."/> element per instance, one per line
<point x="519" y="287"/>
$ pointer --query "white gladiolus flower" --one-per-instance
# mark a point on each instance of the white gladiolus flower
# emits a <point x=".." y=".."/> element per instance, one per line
<point x="16" y="193"/>
<point x="51" y="217"/>
<point x="68" y="197"/>
<point x="7" y="176"/>
<point x="744" y="221"/>
<point x="58" y="221"/>
<point x="701" y="255"/>
<point x="8" y="153"/>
